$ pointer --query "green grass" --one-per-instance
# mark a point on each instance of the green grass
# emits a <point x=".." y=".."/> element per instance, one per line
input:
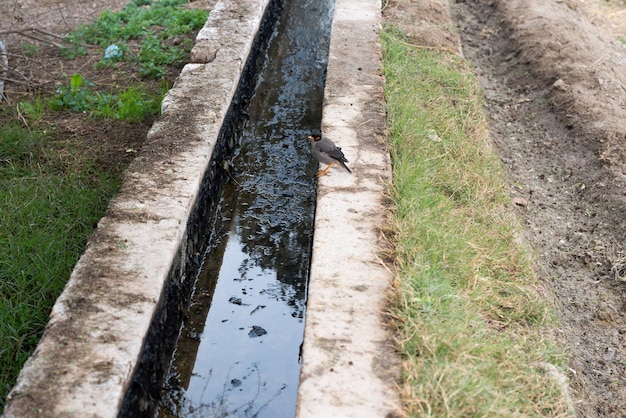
<point x="472" y="324"/>
<point x="50" y="201"/>
<point x="52" y="190"/>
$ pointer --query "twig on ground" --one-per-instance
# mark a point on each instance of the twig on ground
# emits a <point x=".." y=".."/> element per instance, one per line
<point x="433" y="48"/>
<point x="4" y="61"/>
<point x="69" y="28"/>
<point x="39" y="35"/>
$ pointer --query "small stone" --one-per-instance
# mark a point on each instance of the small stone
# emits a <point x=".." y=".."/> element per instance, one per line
<point x="256" y="331"/>
<point x="203" y="55"/>
<point x="520" y="201"/>
<point x="235" y="301"/>
<point x="560" y="85"/>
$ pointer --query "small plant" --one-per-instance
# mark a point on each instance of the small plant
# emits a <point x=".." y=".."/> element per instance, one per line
<point x="30" y="50"/>
<point x="132" y="104"/>
<point x="154" y="57"/>
<point x="31" y="111"/>
<point x="73" y="52"/>
<point x="79" y="97"/>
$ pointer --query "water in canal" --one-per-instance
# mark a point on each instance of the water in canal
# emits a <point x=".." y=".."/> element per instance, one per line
<point x="239" y="350"/>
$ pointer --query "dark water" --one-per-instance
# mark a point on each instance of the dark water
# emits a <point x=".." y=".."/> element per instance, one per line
<point x="238" y="353"/>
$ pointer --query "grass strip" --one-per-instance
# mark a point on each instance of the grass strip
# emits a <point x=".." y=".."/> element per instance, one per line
<point x="50" y="202"/>
<point x="472" y="324"/>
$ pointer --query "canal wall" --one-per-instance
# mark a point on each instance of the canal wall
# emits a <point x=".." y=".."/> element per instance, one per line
<point x="121" y="291"/>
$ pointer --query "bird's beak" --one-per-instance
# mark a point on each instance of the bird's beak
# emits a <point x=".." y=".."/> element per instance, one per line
<point x="310" y="137"/>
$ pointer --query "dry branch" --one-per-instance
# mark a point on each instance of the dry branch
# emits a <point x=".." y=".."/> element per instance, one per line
<point x="4" y="61"/>
<point x="36" y="34"/>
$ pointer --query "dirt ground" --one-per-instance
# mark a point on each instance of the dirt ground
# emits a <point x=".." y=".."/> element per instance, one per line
<point x="555" y="91"/>
<point x="32" y="31"/>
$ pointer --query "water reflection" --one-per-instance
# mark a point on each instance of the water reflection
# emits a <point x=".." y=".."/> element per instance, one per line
<point x="233" y="369"/>
<point x="240" y="357"/>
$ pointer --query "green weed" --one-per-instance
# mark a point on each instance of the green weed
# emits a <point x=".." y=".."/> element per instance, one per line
<point x="30" y="50"/>
<point x="132" y="104"/>
<point x="31" y="112"/>
<point x="79" y="96"/>
<point x="150" y="25"/>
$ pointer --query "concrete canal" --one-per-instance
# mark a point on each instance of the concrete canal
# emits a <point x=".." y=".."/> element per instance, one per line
<point x="238" y="353"/>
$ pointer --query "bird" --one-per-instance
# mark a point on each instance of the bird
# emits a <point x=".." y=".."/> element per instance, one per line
<point x="325" y="151"/>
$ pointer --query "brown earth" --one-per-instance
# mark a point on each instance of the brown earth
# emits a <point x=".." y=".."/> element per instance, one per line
<point x="39" y="25"/>
<point x="555" y="91"/>
<point x="32" y="31"/>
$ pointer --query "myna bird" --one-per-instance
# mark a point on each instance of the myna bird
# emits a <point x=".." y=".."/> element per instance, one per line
<point x="326" y="152"/>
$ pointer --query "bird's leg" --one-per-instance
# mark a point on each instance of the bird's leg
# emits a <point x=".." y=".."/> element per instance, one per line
<point x="320" y="173"/>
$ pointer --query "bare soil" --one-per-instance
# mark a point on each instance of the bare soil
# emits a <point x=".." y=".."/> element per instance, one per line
<point x="38" y="71"/>
<point x="33" y="31"/>
<point x="555" y="92"/>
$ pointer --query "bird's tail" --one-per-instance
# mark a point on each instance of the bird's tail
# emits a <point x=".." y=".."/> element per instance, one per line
<point x="346" y="167"/>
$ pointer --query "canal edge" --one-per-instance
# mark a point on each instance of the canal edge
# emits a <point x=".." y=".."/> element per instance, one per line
<point x="348" y="363"/>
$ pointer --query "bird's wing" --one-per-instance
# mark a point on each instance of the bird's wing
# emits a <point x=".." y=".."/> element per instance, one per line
<point x="334" y="152"/>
